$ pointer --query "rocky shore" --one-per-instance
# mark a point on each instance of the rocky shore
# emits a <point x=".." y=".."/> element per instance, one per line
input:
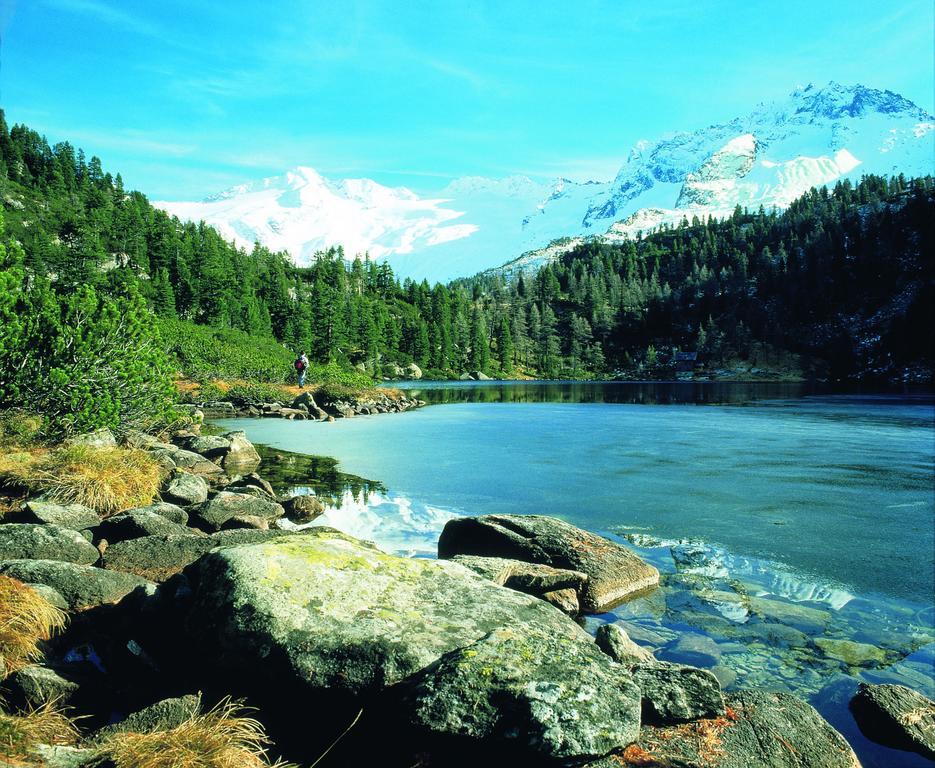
<point x="314" y="407"/>
<point x="477" y="658"/>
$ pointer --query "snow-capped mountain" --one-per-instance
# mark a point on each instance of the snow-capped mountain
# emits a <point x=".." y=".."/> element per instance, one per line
<point x="769" y="157"/>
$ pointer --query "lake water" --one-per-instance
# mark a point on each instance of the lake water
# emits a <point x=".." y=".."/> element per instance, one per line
<point x="795" y="533"/>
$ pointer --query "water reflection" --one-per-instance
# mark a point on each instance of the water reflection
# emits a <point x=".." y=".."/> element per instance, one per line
<point x="314" y="474"/>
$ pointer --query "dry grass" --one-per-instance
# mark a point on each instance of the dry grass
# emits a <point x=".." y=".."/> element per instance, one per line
<point x="21" y="734"/>
<point x="26" y="619"/>
<point x="221" y="738"/>
<point x="108" y="480"/>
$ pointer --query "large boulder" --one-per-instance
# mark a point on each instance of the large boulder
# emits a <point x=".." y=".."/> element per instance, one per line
<point x="28" y="541"/>
<point x="212" y="514"/>
<point x="74" y="516"/>
<point x="325" y="613"/>
<point x="896" y="716"/>
<point x="303" y="508"/>
<point x="185" y="489"/>
<point x="82" y="586"/>
<point x="530" y="691"/>
<point x="188" y="460"/>
<point x="413" y="371"/>
<point x="761" y="730"/>
<point x="614" y="572"/>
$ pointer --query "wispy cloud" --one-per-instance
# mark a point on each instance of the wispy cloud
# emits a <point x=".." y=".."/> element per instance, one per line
<point x="106" y="13"/>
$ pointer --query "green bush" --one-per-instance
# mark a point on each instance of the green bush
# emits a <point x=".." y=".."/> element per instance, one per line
<point x="256" y="392"/>
<point x="19" y="428"/>
<point x="203" y="352"/>
<point x="81" y="360"/>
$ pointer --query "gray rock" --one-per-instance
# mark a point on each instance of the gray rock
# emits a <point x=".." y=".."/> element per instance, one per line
<point x="209" y="446"/>
<point x="413" y="371"/>
<point x="539" y="693"/>
<point x="303" y="509"/>
<point x="31" y="541"/>
<point x="616" y="643"/>
<point x="896" y="716"/>
<point x="35" y="685"/>
<point x="162" y="716"/>
<point x="764" y="730"/>
<point x="614" y="572"/>
<point x="157" y="558"/>
<point x="66" y="757"/>
<point x="675" y="693"/>
<point x="170" y="512"/>
<point x="82" y="586"/>
<point x="74" y="516"/>
<point x="332" y="614"/>
<point x="246" y="521"/>
<point x="188" y="460"/>
<point x="185" y="489"/>
<point x="51" y="595"/>
<point x="251" y="480"/>
<point x="214" y="513"/>
<point x="137" y="523"/>
<point x="101" y="438"/>
<point x="241" y="455"/>
<point x="566" y="600"/>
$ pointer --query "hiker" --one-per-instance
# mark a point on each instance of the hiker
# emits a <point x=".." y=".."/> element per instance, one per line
<point x="301" y="367"/>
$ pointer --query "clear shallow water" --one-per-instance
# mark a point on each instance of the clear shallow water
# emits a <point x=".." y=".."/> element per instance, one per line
<point x="783" y="526"/>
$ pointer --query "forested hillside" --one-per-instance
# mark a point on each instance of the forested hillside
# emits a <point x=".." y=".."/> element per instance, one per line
<point x="843" y="278"/>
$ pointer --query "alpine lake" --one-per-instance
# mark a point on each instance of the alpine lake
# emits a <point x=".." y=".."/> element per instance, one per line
<point x="794" y="530"/>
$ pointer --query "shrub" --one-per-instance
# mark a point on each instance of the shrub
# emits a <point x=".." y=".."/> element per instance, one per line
<point x="257" y="392"/>
<point x="203" y="352"/>
<point x="221" y="738"/>
<point x="26" y="619"/>
<point x="108" y="480"/>
<point x="21" y="734"/>
<point x="82" y="360"/>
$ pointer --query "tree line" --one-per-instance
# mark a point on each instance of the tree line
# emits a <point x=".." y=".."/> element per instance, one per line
<point x="843" y="277"/>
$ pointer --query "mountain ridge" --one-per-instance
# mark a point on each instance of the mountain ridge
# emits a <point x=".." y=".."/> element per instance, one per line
<point x="768" y="157"/>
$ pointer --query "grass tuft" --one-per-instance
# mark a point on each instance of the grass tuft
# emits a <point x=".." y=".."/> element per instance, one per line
<point x="108" y="480"/>
<point x="21" y="734"/>
<point x="26" y="619"/>
<point x="221" y="738"/>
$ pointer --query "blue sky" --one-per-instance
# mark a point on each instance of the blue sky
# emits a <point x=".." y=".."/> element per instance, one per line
<point x="186" y="98"/>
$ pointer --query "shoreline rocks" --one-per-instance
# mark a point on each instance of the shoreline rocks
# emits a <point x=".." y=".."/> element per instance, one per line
<point x="896" y="716"/>
<point x="614" y="572"/>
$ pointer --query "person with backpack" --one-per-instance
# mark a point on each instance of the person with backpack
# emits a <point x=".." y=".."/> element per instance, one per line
<point x="301" y="368"/>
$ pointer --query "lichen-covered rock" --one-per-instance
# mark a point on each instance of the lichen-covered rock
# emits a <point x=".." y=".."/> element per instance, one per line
<point x="185" y="489"/>
<point x="29" y="541"/>
<point x="136" y="523"/>
<point x="896" y="716"/>
<point x="74" y="516"/>
<point x="614" y="572"/>
<point x="66" y="757"/>
<point x="616" y="643"/>
<point x="551" y="696"/>
<point x="187" y="460"/>
<point x="161" y="716"/>
<point x="328" y="613"/>
<point x="214" y="513"/>
<point x="171" y="512"/>
<point x="35" y="685"/>
<point x="82" y="586"/>
<point x="675" y="693"/>
<point x="566" y="600"/>
<point x="852" y="653"/>
<point x="100" y="438"/>
<point x="762" y="730"/>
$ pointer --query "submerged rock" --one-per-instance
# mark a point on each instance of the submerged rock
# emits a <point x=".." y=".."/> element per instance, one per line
<point x="327" y="613"/>
<point x="614" y="572"/>
<point x="896" y="716"/>
<point x="27" y="541"/>
<point x="538" y="693"/>
<point x="852" y="653"/>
